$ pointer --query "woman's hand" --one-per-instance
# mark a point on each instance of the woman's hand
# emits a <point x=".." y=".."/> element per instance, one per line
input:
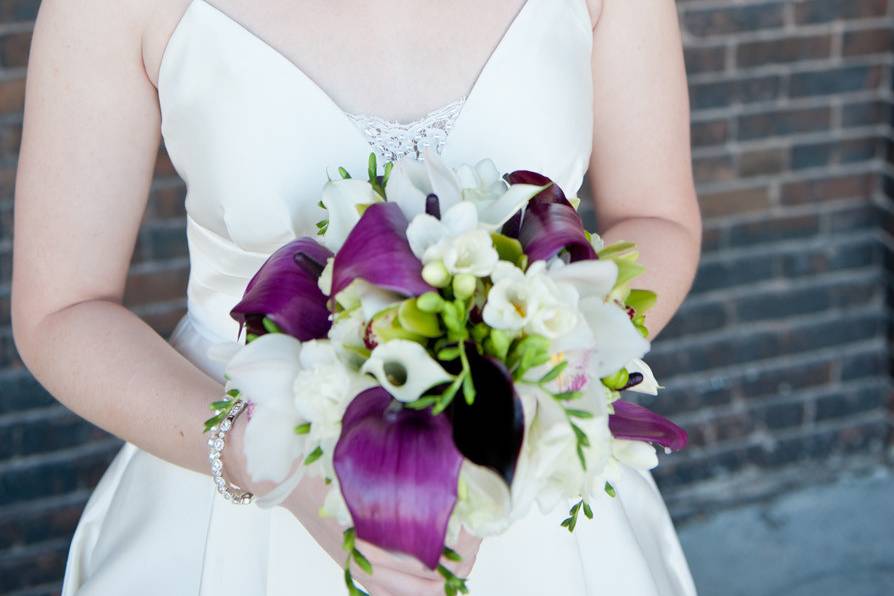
<point x="394" y="574"/>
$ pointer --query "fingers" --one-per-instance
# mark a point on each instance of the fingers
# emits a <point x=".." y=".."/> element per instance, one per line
<point x="385" y="581"/>
<point x="467" y="546"/>
<point x="398" y="562"/>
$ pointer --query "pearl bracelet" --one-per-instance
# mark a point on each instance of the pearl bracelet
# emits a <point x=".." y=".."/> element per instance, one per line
<point x="229" y="491"/>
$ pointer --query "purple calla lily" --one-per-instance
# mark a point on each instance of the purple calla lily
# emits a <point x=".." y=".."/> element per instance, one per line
<point x="398" y="470"/>
<point x="552" y="194"/>
<point x="490" y="431"/>
<point x="377" y="251"/>
<point x="636" y="423"/>
<point x="285" y="290"/>
<point x="547" y="228"/>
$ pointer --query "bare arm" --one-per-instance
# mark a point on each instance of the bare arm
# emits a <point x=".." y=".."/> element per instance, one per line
<point x="641" y="169"/>
<point x="90" y="139"/>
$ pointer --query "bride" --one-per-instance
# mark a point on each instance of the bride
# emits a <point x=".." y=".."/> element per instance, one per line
<point x="254" y="102"/>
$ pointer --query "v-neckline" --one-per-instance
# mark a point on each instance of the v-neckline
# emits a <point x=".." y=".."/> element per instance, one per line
<point x="470" y="97"/>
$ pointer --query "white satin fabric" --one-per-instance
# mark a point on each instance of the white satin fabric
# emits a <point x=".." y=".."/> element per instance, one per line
<point x="253" y="137"/>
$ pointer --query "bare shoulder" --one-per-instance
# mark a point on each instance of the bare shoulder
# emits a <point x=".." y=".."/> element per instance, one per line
<point x="157" y="30"/>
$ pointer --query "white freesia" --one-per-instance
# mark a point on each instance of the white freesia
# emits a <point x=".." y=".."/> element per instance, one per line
<point x="405" y="369"/>
<point x="552" y="449"/>
<point x="455" y="240"/>
<point x="530" y="301"/>
<point x="322" y="389"/>
<point x="648" y="385"/>
<point x="344" y="201"/>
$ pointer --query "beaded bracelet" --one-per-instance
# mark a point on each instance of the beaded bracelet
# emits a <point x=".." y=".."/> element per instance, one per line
<point x="229" y="491"/>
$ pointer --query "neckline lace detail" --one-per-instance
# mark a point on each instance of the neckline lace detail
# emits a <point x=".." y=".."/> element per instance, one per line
<point x="392" y="140"/>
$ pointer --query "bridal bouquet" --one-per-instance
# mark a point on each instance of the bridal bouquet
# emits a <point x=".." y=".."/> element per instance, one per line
<point x="447" y="351"/>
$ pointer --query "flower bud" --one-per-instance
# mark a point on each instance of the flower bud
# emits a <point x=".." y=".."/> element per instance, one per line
<point x="430" y="302"/>
<point x="436" y="274"/>
<point x="464" y="285"/>
<point x="617" y="380"/>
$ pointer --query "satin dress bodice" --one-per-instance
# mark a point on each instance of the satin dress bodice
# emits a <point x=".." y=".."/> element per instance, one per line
<point x="254" y="138"/>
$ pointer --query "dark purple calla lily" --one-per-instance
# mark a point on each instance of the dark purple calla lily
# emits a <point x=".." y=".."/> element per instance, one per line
<point x="636" y="423"/>
<point x="377" y="251"/>
<point x="398" y="470"/>
<point x="490" y="431"/>
<point x="547" y="228"/>
<point x="551" y="194"/>
<point x="285" y="290"/>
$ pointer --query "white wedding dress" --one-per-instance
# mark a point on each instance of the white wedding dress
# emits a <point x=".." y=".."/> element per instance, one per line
<point x="253" y="137"/>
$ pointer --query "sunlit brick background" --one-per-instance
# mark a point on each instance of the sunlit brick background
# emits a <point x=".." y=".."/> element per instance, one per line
<point x="777" y="364"/>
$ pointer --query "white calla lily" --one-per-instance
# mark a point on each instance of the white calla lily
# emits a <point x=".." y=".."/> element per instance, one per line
<point x="648" y="385"/>
<point x="344" y="201"/>
<point x="405" y="369"/>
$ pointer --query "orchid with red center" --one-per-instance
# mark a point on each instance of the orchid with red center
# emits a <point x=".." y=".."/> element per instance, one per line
<point x="455" y="352"/>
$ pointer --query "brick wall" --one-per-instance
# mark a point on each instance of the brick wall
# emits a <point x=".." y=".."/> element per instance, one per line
<point x="777" y="363"/>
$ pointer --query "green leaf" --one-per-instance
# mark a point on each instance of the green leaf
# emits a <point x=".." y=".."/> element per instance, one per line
<point x="448" y="354"/>
<point x="574" y="413"/>
<point x="270" y="326"/>
<point x="587" y="510"/>
<point x="344" y="173"/>
<point x="568" y="395"/>
<point x="509" y="249"/>
<point x="313" y="456"/>
<point x="372" y="169"/>
<point x="387" y="176"/>
<point x="349" y="537"/>
<point x="615" y="249"/>
<point x="233" y="393"/>
<point x="452" y="555"/>
<point x="627" y="270"/>
<point x="362" y="561"/>
<point x="448" y="395"/>
<point x="214" y="421"/>
<point x="581" y="457"/>
<point x="554" y="373"/>
<point x="422" y="403"/>
<point x="220" y="405"/>
<point x="580" y="435"/>
<point x="302" y="429"/>
<point x="641" y="300"/>
<point x="417" y="321"/>
<point x="468" y="389"/>
<point x="610" y="490"/>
